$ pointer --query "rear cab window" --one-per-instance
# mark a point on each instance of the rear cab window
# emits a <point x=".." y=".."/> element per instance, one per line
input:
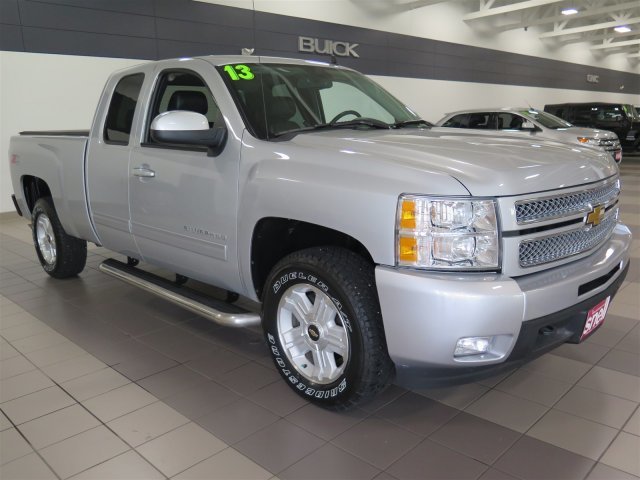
<point x="119" y="120"/>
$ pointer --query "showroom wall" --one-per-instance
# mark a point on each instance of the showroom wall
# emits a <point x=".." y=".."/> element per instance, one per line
<point x="55" y="55"/>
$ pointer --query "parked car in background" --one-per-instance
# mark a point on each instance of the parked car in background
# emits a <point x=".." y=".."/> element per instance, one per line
<point x="620" y="118"/>
<point x="528" y="121"/>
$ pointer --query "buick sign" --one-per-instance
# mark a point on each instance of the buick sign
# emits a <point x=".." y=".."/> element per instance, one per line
<point x="327" y="47"/>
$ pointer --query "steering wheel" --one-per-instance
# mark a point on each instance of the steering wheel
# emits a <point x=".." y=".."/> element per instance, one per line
<point x="344" y="114"/>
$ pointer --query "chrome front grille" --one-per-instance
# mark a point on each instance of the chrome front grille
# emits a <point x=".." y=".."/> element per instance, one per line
<point x="548" y="208"/>
<point x="556" y="247"/>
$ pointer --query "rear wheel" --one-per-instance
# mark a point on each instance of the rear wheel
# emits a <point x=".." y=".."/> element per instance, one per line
<point x="323" y="325"/>
<point x="60" y="255"/>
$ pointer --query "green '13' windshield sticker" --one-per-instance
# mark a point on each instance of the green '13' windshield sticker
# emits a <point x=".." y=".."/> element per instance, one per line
<point x="239" y="72"/>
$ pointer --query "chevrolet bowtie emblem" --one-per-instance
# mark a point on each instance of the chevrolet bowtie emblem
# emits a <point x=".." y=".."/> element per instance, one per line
<point x="595" y="216"/>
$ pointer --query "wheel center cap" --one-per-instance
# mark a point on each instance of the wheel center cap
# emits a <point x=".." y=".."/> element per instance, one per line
<point x="314" y="333"/>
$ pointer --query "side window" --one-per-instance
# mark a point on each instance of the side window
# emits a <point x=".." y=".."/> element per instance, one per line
<point x="481" y="121"/>
<point x="509" y="121"/>
<point x="117" y="128"/>
<point x="458" y="121"/>
<point x="183" y="90"/>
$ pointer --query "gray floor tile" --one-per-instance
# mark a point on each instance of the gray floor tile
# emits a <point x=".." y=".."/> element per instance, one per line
<point x="127" y="466"/>
<point x="202" y="399"/>
<point x="56" y="426"/>
<point x="181" y="449"/>
<point x="430" y="460"/>
<point x="15" y="366"/>
<point x="171" y="381"/>
<point x="493" y="474"/>
<point x="226" y="465"/>
<point x="417" y="413"/>
<point x="279" y="398"/>
<point x="324" y="423"/>
<point x="138" y="362"/>
<point x="507" y="410"/>
<point x="38" y="341"/>
<point x="28" y="467"/>
<point x="293" y="443"/>
<point x="388" y="395"/>
<point x="73" y="368"/>
<point x="248" y="378"/>
<point x="216" y="363"/>
<point x="83" y="451"/>
<point x="377" y="441"/>
<point x="531" y="459"/>
<point x="329" y="463"/>
<point x="597" y="406"/>
<point x="176" y="343"/>
<point x="36" y="404"/>
<point x="119" y="402"/>
<point x="237" y="420"/>
<point x="476" y="438"/>
<point x="4" y="422"/>
<point x="560" y="368"/>
<point x="57" y="353"/>
<point x="94" y="384"/>
<point x="572" y="433"/>
<point x="633" y="425"/>
<point x="23" y="384"/>
<point x="147" y="423"/>
<point x="612" y="382"/>
<point x="535" y="387"/>
<point x="631" y="341"/>
<point x="586" y="352"/>
<point x="604" y="472"/>
<point x="12" y="446"/>
<point x="622" y="361"/>
<point x="459" y="396"/>
<point x="623" y="454"/>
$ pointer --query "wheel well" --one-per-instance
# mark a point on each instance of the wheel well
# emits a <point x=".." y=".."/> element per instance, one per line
<point x="274" y="238"/>
<point x="34" y="189"/>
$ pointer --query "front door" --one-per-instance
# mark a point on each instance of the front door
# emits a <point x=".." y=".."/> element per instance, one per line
<point x="184" y="202"/>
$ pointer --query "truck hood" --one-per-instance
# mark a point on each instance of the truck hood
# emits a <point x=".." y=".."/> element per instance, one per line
<point x="485" y="165"/>
<point x="591" y="133"/>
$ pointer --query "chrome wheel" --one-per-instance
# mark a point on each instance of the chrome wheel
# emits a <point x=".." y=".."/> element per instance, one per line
<point x="313" y="334"/>
<point x="46" y="239"/>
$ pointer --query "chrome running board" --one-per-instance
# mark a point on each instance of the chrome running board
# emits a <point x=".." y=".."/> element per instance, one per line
<point x="216" y="310"/>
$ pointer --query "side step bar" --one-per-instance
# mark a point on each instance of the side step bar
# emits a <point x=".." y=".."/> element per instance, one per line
<point x="216" y="310"/>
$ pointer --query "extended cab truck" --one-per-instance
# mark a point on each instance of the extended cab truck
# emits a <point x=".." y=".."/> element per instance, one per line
<point x="375" y="246"/>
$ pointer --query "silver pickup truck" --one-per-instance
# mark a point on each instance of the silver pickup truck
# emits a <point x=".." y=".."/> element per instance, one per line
<point x="377" y="248"/>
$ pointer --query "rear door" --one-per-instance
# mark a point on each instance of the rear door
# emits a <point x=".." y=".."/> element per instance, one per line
<point x="108" y="163"/>
<point x="184" y="202"/>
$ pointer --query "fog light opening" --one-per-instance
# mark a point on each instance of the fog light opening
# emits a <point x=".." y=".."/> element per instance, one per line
<point x="469" y="346"/>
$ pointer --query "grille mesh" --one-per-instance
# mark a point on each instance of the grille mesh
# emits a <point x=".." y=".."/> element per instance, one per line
<point x="551" y="249"/>
<point x="564" y="205"/>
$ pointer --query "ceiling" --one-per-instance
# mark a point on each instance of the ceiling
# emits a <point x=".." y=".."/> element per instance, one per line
<point x="593" y="23"/>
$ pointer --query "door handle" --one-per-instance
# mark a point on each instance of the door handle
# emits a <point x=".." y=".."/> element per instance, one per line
<point x="144" y="172"/>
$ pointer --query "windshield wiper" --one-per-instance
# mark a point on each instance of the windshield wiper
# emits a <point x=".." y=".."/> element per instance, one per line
<point x="356" y="122"/>
<point x="408" y="123"/>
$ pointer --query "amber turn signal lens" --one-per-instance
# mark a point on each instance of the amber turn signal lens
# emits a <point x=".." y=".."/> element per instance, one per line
<point x="408" y="215"/>
<point x="408" y="249"/>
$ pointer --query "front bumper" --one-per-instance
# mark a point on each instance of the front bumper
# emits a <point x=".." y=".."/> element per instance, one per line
<point x="426" y="313"/>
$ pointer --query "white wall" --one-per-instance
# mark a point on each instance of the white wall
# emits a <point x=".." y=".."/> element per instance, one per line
<point x="442" y="21"/>
<point x="47" y="92"/>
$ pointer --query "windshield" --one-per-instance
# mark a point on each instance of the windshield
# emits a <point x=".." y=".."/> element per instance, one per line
<point x="546" y="119"/>
<point x="276" y="99"/>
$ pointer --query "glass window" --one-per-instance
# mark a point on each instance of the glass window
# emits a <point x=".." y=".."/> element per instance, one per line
<point x="280" y="98"/>
<point x="481" y="120"/>
<point x="546" y="119"/>
<point x="183" y="90"/>
<point x="458" y="121"/>
<point x="119" y="120"/>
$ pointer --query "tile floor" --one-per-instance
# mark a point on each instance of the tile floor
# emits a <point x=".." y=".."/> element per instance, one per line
<point x="99" y="380"/>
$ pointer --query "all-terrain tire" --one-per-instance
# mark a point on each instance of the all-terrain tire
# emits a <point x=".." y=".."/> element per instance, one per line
<point x="60" y="255"/>
<point x="327" y="296"/>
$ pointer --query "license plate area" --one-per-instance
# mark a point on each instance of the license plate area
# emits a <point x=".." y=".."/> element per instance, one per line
<point x="595" y="318"/>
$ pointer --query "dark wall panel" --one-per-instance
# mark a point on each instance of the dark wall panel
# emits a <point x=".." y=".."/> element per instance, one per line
<point x="44" y="40"/>
<point x="9" y="13"/>
<point x="11" y="38"/>
<point x="155" y="29"/>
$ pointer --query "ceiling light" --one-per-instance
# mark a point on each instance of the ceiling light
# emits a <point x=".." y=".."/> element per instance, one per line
<point x="569" y="11"/>
<point x="622" y="29"/>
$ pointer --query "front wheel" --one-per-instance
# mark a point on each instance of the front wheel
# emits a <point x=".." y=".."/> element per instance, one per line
<point x="60" y="255"/>
<point x="323" y="325"/>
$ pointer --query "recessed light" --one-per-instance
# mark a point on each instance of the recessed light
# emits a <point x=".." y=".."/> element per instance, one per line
<point x="569" y="11"/>
<point x="622" y="29"/>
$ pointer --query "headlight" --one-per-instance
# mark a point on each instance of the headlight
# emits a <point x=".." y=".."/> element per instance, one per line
<point x="589" y="141"/>
<point x="447" y="234"/>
